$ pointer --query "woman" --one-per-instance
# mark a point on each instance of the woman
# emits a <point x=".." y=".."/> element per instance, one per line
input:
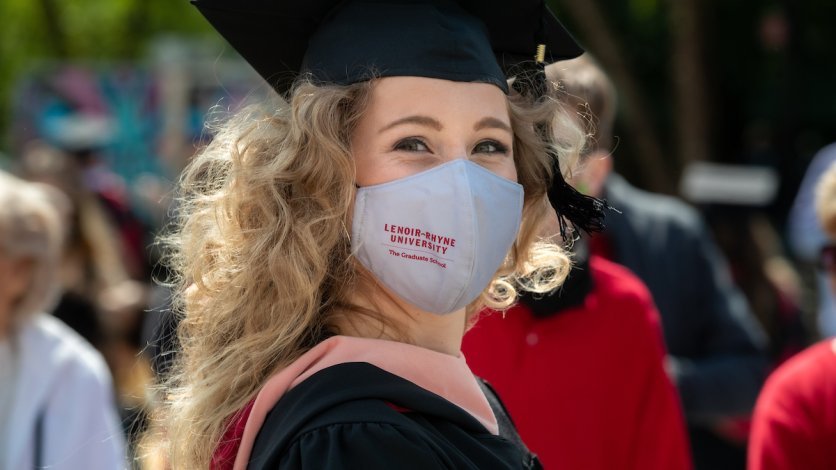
<point x="57" y="406"/>
<point x="332" y="252"/>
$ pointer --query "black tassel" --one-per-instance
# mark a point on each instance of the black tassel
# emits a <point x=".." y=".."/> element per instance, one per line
<point x="583" y="212"/>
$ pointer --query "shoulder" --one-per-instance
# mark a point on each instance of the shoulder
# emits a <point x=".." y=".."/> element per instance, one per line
<point x="366" y="444"/>
<point x="355" y="415"/>
<point x="652" y="208"/>
<point x="792" y="421"/>
<point x="328" y="421"/>
<point x="617" y="280"/>
<point x="57" y="349"/>
<point x="66" y="381"/>
<point x="803" y="378"/>
<point x="357" y="392"/>
<point x="622" y="291"/>
<point x="627" y="302"/>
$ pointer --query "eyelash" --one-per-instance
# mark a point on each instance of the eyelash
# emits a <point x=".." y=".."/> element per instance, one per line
<point x="401" y="145"/>
<point x="500" y="148"/>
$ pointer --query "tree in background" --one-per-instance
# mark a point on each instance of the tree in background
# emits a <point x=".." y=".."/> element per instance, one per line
<point x="84" y="31"/>
<point x="744" y="82"/>
<point x="741" y="82"/>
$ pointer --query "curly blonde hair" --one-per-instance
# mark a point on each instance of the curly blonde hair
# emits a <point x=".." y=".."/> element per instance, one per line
<point x="263" y="257"/>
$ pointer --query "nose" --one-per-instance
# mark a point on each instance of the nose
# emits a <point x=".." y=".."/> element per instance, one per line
<point x="455" y="151"/>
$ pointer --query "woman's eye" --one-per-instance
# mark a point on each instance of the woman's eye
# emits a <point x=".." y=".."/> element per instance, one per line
<point x="412" y="145"/>
<point x="490" y="146"/>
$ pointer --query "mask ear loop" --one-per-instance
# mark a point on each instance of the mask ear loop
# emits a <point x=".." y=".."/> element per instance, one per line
<point x="346" y="232"/>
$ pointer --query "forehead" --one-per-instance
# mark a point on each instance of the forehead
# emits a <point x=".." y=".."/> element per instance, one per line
<point x="394" y="97"/>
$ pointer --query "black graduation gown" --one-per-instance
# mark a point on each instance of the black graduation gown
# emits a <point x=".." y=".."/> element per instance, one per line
<point x="343" y="417"/>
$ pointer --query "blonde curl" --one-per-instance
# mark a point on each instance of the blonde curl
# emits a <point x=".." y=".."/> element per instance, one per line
<point x="262" y="256"/>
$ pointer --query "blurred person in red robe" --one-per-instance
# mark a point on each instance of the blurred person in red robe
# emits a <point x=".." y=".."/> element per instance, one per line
<point x="582" y="371"/>
<point x="794" y="425"/>
<point x="716" y="348"/>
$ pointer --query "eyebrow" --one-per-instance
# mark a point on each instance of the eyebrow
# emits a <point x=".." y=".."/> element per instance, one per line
<point x="492" y="122"/>
<point x="484" y="123"/>
<point x="420" y="120"/>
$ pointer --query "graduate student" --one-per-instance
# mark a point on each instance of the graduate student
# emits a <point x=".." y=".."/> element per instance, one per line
<point x="333" y="246"/>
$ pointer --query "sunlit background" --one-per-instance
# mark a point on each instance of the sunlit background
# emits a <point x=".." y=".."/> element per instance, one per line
<point x="126" y="85"/>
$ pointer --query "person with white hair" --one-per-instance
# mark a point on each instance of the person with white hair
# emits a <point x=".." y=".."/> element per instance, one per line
<point x="57" y="406"/>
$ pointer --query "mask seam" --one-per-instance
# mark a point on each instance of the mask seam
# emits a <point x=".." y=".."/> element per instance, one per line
<point x="474" y="237"/>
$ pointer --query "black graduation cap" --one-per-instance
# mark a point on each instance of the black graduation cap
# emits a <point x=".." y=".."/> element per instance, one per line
<point x="344" y="42"/>
<point x="349" y="41"/>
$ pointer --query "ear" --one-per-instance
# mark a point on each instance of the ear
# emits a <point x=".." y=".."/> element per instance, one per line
<point x="20" y="276"/>
<point x="597" y="168"/>
<point x="15" y="277"/>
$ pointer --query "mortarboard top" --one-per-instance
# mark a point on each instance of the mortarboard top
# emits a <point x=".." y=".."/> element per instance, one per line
<point x="345" y="42"/>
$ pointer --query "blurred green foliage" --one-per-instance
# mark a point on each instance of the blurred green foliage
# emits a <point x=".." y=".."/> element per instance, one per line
<point x="768" y="66"/>
<point x="769" y="70"/>
<point x="83" y="30"/>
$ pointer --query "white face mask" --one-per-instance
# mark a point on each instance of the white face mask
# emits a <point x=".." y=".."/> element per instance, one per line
<point x="437" y="238"/>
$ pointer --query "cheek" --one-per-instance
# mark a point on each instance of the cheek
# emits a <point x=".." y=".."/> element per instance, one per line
<point x="363" y="155"/>
<point x="363" y="162"/>
<point x="371" y="164"/>
<point x="512" y="172"/>
<point x="14" y="279"/>
<point x="505" y="168"/>
<point x="373" y="168"/>
<point x="508" y="169"/>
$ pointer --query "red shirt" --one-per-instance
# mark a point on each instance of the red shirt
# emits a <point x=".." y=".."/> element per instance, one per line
<point x="587" y="387"/>
<point x="794" y="426"/>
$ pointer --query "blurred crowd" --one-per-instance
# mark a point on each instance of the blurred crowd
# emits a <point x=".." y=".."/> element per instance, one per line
<point x="102" y="280"/>
<point x="672" y="319"/>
